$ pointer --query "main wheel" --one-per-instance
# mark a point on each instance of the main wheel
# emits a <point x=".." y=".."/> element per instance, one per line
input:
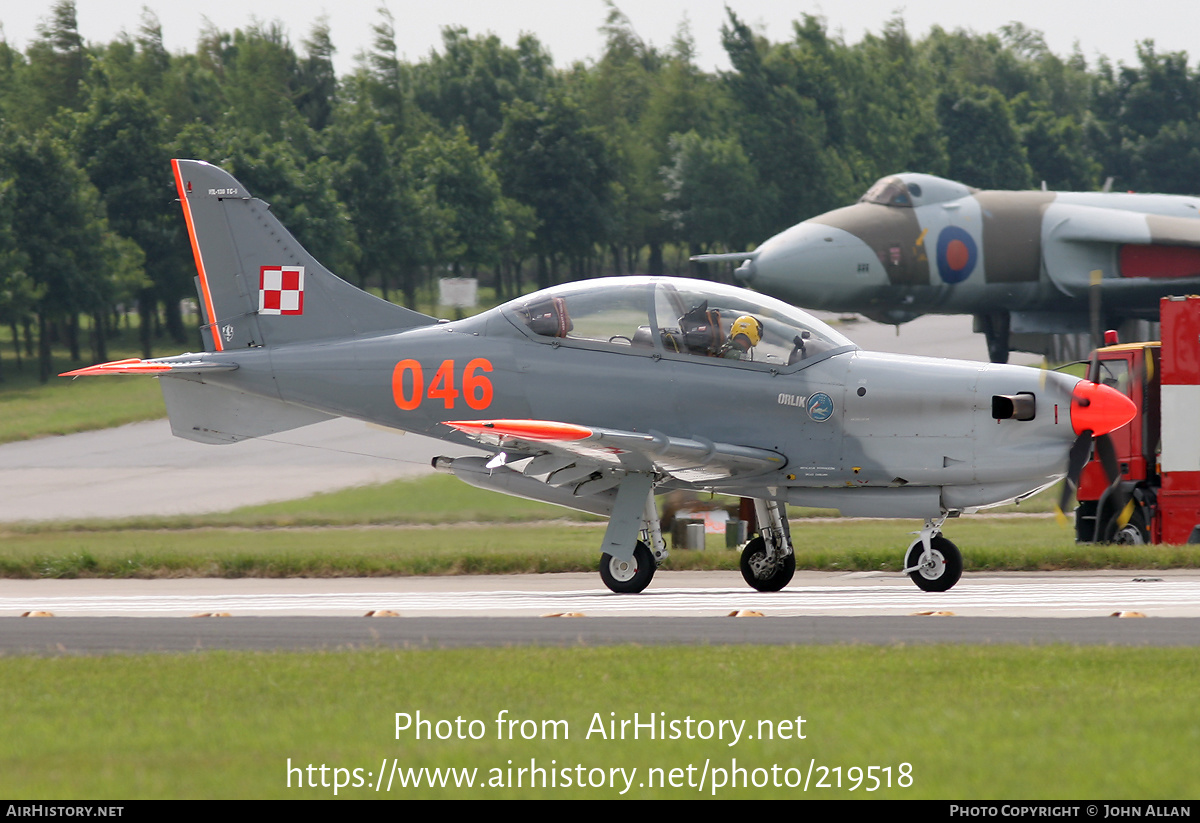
<point x="628" y="577"/>
<point x="942" y="572"/>
<point x="764" y="576"/>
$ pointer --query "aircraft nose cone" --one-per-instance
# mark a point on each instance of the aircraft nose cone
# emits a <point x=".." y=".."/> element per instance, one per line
<point x="1099" y="408"/>
<point x="812" y="264"/>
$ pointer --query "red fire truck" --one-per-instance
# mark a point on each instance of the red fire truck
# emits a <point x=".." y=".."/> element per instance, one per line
<point x="1156" y="499"/>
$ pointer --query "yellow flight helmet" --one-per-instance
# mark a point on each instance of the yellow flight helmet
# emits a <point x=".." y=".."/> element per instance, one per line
<point x="748" y="325"/>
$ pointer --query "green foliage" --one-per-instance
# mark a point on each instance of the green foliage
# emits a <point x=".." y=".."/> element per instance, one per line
<point x="712" y="192"/>
<point x="481" y="155"/>
<point x="468" y="191"/>
<point x="468" y="84"/>
<point x="551" y="159"/>
<point x="982" y="143"/>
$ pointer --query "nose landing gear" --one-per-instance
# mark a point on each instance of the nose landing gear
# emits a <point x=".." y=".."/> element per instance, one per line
<point x="933" y="562"/>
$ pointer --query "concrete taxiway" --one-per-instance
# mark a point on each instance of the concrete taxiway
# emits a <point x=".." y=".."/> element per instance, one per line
<point x="142" y="469"/>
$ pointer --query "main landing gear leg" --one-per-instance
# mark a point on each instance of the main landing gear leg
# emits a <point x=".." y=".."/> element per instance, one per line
<point x="768" y="561"/>
<point x="651" y="533"/>
<point x="995" y="328"/>
<point x="627" y="564"/>
<point x="933" y="562"/>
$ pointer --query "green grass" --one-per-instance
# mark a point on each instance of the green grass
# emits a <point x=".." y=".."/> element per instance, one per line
<point x="438" y="498"/>
<point x="439" y="525"/>
<point x="992" y="722"/>
<point x="430" y="500"/>
<point x="532" y="547"/>
<point x="29" y="408"/>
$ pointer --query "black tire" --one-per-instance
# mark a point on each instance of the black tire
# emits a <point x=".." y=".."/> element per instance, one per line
<point x="628" y="578"/>
<point x="1135" y="532"/>
<point x="947" y="569"/>
<point x="765" y="580"/>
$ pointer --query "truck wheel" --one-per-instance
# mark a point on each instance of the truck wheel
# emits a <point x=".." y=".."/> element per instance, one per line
<point x="1134" y="533"/>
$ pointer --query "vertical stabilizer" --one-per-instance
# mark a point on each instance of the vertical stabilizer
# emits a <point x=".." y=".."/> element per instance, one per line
<point x="257" y="284"/>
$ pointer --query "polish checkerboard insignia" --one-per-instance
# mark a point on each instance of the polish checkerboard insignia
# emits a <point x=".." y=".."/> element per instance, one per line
<point x="281" y="290"/>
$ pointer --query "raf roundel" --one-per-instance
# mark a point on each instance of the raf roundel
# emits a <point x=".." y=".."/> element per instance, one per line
<point x="281" y="290"/>
<point x="956" y="254"/>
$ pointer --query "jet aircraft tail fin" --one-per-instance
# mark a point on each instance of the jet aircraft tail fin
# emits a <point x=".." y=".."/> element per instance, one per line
<point x="257" y="284"/>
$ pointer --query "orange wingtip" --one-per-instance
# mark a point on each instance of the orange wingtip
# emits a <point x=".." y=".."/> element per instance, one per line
<point x="524" y="429"/>
<point x="128" y="366"/>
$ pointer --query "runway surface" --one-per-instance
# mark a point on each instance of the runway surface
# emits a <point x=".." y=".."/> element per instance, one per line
<point x="672" y="594"/>
<point x="683" y="607"/>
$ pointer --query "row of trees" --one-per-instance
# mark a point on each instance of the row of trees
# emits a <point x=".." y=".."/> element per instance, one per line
<point x="485" y="158"/>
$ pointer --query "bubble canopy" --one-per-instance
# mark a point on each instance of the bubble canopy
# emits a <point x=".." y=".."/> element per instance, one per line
<point x="675" y="318"/>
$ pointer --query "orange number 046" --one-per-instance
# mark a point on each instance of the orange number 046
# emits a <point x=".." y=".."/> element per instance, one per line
<point x="476" y="387"/>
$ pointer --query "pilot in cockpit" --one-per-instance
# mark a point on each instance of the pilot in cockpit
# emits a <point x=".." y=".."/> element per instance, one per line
<point x="744" y="335"/>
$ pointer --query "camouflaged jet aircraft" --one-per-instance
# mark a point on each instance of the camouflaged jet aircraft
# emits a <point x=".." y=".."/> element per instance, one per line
<point x="600" y="394"/>
<point x="1021" y="262"/>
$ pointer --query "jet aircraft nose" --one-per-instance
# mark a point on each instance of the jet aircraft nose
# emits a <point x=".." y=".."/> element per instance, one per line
<point x="1099" y="408"/>
<point x="793" y="264"/>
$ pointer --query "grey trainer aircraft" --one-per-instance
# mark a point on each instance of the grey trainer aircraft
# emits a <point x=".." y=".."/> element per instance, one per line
<point x="1021" y="262"/>
<point x="600" y="394"/>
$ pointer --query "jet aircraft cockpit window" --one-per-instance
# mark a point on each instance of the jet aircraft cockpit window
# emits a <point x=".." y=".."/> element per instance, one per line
<point x="889" y="191"/>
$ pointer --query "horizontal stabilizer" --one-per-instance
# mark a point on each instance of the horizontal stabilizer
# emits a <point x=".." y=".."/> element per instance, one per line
<point x="214" y="414"/>
<point x="183" y="364"/>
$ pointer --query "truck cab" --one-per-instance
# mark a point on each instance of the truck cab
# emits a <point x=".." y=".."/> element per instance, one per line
<point x="1156" y="498"/>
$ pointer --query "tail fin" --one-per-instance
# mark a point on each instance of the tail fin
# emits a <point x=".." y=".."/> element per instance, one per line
<point x="257" y="284"/>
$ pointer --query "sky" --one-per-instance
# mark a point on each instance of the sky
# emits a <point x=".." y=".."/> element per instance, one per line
<point x="570" y="29"/>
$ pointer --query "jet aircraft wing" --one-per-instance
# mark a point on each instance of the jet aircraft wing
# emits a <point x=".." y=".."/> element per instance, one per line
<point x="1085" y="224"/>
<point x="573" y="452"/>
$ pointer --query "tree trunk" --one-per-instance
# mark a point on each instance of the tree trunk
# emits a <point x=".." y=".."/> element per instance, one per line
<point x="410" y="290"/>
<point x="73" y="336"/>
<point x="146" y="322"/>
<point x="16" y="342"/>
<point x="44" y="364"/>
<point x="174" y="316"/>
<point x="100" y="337"/>
<point x="656" y="266"/>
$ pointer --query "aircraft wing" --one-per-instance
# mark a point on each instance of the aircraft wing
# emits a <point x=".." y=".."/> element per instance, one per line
<point x="1134" y="250"/>
<point x="579" y="451"/>
<point x="1088" y="224"/>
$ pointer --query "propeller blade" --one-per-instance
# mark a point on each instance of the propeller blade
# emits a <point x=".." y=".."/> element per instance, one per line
<point x="1107" y="452"/>
<point x="1081" y="449"/>
<point x="1126" y="514"/>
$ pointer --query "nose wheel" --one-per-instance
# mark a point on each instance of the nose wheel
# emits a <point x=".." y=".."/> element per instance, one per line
<point x="939" y="570"/>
